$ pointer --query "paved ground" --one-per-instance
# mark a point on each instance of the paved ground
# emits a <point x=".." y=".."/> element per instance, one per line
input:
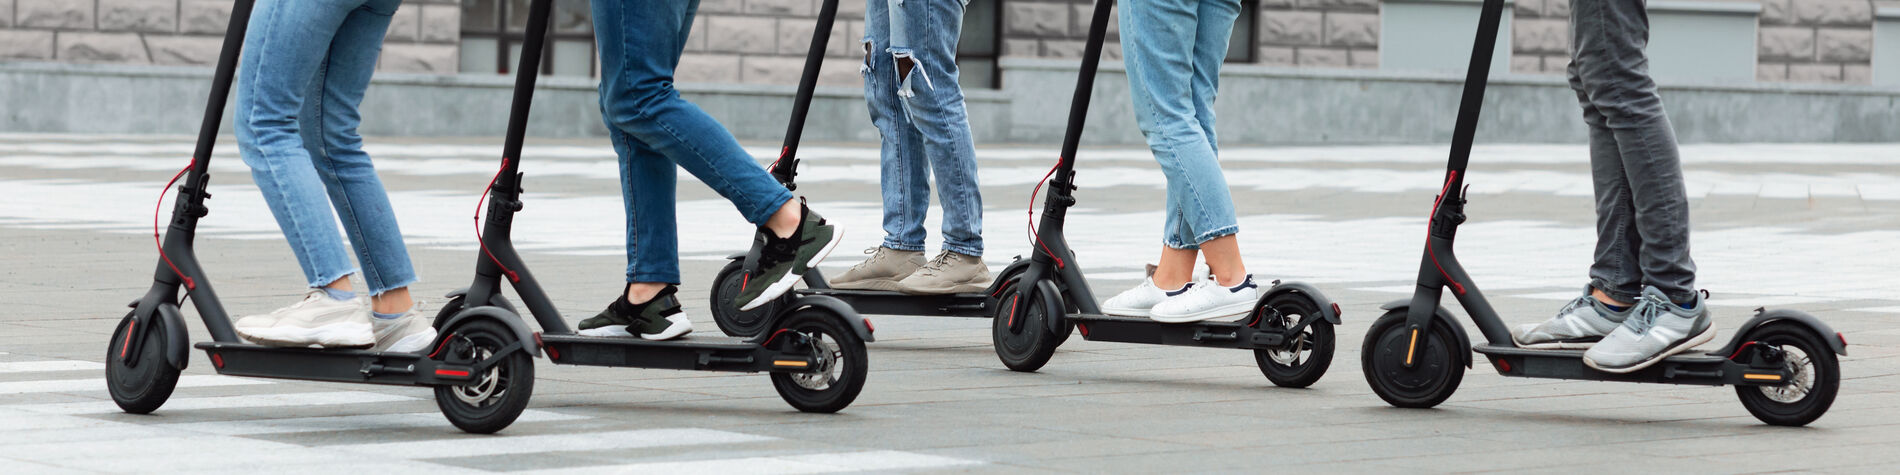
<point x="1810" y="227"/>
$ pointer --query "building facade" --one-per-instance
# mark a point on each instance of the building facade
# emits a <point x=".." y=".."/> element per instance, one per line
<point x="764" y="41"/>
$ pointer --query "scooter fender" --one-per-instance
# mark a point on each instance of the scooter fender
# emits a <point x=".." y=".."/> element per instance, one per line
<point x="1764" y="317"/>
<point x="1015" y="268"/>
<point x="1327" y="309"/>
<point x="1444" y="318"/>
<point x="1056" y="306"/>
<point x="505" y="317"/>
<point x="497" y="300"/>
<point x="177" y="340"/>
<point x="828" y="304"/>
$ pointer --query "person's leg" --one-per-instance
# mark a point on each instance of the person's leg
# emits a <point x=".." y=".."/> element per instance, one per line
<point x="1668" y="317"/>
<point x="284" y="50"/>
<point x="926" y="70"/>
<point x="1221" y="252"/>
<point x="904" y="186"/>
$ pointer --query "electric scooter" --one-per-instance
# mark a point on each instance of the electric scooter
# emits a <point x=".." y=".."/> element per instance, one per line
<point x="1290" y="329"/>
<point x="730" y="280"/>
<point x="814" y="351"/>
<point x="1782" y="363"/>
<point x="480" y="367"/>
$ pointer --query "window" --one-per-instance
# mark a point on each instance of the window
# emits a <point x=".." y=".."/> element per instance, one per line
<point x="1240" y="48"/>
<point x="493" y="30"/>
<point x="979" y="45"/>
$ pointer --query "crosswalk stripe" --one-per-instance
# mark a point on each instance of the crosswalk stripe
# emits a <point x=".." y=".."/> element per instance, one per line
<point x="473" y="446"/>
<point x="792" y="464"/>
<point x="99" y="384"/>
<point x="49" y="365"/>
<point x="222" y="402"/>
<point x="343" y="423"/>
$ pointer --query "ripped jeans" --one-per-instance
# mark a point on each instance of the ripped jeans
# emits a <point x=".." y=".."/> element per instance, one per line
<point x="910" y="85"/>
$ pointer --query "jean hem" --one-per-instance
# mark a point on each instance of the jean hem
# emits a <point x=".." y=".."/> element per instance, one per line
<point x="656" y="278"/>
<point x="1203" y="238"/>
<point x="903" y="247"/>
<point x="764" y="213"/>
<point x="972" y="251"/>
<point x="1620" y="296"/>
<point x="405" y="282"/>
<point x="320" y="281"/>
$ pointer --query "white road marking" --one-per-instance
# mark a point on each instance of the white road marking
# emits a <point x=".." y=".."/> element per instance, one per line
<point x="882" y="460"/>
<point x="99" y="384"/>
<point x="222" y="402"/>
<point x="49" y="365"/>
<point x="483" y="445"/>
<point x="344" y="423"/>
<point x="1876" y="310"/>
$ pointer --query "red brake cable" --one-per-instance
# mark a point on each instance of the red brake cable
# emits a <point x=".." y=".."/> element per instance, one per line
<point x="1033" y="236"/>
<point x="160" y="244"/>
<point x="512" y="277"/>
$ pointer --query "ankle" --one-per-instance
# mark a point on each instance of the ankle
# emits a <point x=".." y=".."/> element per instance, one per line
<point x="643" y="292"/>
<point x="785" y="222"/>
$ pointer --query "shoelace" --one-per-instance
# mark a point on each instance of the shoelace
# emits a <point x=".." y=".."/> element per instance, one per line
<point x="1646" y="313"/>
<point x="937" y="264"/>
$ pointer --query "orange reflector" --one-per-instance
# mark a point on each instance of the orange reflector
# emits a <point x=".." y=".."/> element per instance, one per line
<point x="1761" y="377"/>
<point x="790" y="363"/>
<point x="1409" y="349"/>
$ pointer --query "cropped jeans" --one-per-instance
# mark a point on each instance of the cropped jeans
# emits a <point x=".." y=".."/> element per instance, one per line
<point x="922" y="121"/>
<point x="1642" y="204"/>
<point x="1173" y="50"/>
<point x="306" y="64"/>
<point x="654" y="131"/>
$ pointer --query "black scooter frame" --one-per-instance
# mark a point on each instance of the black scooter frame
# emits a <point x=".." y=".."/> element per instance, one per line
<point x="1440" y="270"/>
<point x="500" y="262"/>
<point x="869" y="302"/>
<point x="1052" y="270"/>
<point x="159" y="307"/>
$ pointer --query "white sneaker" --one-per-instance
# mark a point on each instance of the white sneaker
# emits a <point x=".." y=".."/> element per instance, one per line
<point x="1207" y="301"/>
<point x="1136" y="302"/>
<point x="409" y="333"/>
<point x="317" y="320"/>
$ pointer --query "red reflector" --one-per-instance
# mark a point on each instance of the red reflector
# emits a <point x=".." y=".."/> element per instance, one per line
<point x="451" y="372"/>
<point x="128" y="337"/>
<point x="217" y="360"/>
<point x="867" y="326"/>
<point x="1842" y="337"/>
<point x="1336" y="310"/>
<point x="1504" y="366"/>
<point x="1084" y="328"/>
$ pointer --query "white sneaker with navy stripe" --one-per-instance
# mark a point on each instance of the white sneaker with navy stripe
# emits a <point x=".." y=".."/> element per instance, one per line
<point x="1207" y="300"/>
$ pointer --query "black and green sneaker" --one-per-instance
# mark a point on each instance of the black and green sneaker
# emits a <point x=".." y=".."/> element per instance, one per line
<point x="657" y="319"/>
<point x="776" y="263"/>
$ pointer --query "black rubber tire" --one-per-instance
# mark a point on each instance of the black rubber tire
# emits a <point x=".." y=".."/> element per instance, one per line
<point x="838" y="393"/>
<point x="140" y="389"/>
<point x="502" y="404"/>
<point x="1028" y="349"/>
<point x="1319" y="337"/>
<point x="1428" y="383"/>
<point x="1826" y="378"/>
<point x="454" y="306"/>
<point x="726" y="314"/>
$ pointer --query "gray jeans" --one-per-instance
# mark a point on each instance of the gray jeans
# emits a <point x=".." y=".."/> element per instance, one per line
<point x="1642" y="206"/>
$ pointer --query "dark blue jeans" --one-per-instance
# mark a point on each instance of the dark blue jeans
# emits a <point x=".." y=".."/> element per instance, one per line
<point x="653" y="130"/>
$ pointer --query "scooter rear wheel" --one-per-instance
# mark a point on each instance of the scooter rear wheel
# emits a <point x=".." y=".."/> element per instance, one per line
<point x="1429" y="382"/>
<point x="1304" y="359"/>
<point x="726" y="313"/>
<point x="1817" y="377"/>
<point x="1031" y="344"/>
<point x="495" y="398"/>
<point x="143" y="387"/>
<point x="842" y="363"/>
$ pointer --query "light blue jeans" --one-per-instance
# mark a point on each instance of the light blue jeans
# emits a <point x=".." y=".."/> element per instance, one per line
<point x="305" y="66"/>
<point x="653" y="130"/>
<point x="1173" y="50"/>
<point x="923" y="122"/>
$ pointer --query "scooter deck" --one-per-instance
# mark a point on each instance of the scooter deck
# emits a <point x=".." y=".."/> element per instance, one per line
<point x="885" y="302"/>
<point x="1212" y="334"/>
<point x="336" y="365"/>
<point x="1699" y="368"/>
<point x="702" y="353"/>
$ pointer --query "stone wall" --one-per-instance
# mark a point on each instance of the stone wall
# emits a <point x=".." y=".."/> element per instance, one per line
<point x="1540" y="36"/>
<point x="1054" y="29"/>
<point x="765" y="41"/>
<point x="1816" y="41"/>
<point x="1319" y="33"/>
<point x="422" y="35"/>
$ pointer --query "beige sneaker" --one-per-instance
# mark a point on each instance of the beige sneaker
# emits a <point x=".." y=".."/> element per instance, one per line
<point x="409" y="333"/>
<point x="316" y="320"/>
<point x="880" y="272"/>
<point x="948" y="273"/>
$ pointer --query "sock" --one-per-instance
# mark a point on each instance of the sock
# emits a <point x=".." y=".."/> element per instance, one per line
<point x="339" y="294"/>
<point x="1686" y="306"/>
<point x="1615" y="308"/>
<point x="386" y="316"/>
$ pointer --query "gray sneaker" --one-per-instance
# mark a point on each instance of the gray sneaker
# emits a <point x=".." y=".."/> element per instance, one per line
<point x="881" y="271"/>
<point x="1580" y="324"/>
<point x="949" y="273"/>
<point x="1656" y="329"/>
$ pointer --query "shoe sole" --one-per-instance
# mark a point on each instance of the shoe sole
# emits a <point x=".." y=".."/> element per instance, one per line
<point x="1126" y="312"/>
<point x="1556" y="345"/>
<point x="868" y="284"/>
<point x="1672" y="350"/>
<point x="609" y="331"/>
<point x="785" y="283"/>
<point x="676" y="330"/>
<point x="1232" y="310"/>
<point x="956" y="289"/>
<point x="414" y="343"/>
<point x="335" y="335"/>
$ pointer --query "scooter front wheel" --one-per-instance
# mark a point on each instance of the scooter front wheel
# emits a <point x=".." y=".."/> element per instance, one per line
<point x="1435" y="374"/>
<point x="725" y="309"/>
<point x="1030" y="344"/>
<point x="1808" y="394"/>
<point x="142" y="387"/>
<point x="840" y="356"/>
<point x="494" y="398"/>
<point x="1303" y="359"/>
